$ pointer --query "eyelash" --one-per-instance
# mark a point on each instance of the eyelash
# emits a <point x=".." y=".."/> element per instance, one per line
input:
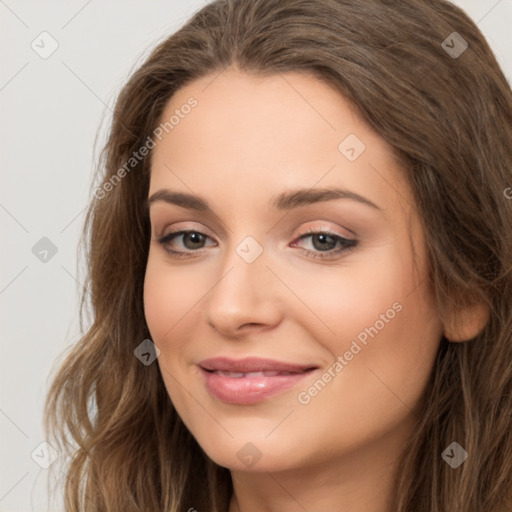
<point x="348" y="244"/>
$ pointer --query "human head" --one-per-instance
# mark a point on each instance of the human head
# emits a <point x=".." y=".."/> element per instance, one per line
<point x="453" y="148"/>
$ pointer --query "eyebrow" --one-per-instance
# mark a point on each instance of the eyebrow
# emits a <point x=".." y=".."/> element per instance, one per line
<point x="283" y="201"/>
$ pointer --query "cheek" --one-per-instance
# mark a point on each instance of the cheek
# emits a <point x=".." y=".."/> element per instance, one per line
<point x="379" y="314"/>
<point x="169" y="297"/>
<point x="387" y="332"/>
<point x="348" y="299"/>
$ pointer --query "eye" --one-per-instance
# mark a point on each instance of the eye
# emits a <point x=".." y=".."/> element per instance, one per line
<point x="327" y="244"/>
<point x="196" y="238"/>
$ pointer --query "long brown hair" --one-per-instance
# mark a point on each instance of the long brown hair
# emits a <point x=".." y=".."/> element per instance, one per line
<point x="448" y="117"/>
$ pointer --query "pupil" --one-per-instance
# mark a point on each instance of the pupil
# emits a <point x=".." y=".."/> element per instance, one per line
<point x="195" y="237"/>
<point x="322" y="238"/>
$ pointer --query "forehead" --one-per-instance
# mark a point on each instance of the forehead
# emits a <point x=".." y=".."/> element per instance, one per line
<point x="262" y="134"/>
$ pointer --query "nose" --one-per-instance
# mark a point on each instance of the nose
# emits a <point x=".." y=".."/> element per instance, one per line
<point x="245" y="297"/>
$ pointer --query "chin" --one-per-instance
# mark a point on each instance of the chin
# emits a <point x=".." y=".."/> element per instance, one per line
<point x="256" y="456"/>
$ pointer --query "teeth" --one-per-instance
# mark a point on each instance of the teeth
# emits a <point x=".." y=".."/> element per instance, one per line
<point x="250" y="375"/>
<point x="235" y="375"/>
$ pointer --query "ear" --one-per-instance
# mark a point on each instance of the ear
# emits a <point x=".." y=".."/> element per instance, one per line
<point x="466" y="323"/>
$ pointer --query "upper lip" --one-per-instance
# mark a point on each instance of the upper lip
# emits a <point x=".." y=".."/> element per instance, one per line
<point x="252" y="364"/>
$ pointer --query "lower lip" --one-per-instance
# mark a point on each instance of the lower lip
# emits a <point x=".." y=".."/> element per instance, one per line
<point x="245" y="390"/>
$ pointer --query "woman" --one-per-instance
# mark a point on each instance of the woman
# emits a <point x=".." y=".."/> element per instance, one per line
<point x="300" y="270"/>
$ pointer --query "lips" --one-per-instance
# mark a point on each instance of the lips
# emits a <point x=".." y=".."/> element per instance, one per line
<point x="252" y="364"/>
<point x="251" y="375"/>
<point x="250" y="380"/>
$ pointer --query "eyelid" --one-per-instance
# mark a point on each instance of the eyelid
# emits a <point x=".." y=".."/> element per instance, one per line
<point x="178" y="227"/>
<point x="322" y="228"/>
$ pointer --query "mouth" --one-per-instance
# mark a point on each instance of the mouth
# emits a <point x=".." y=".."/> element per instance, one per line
<point x="250" y="380"/>
<point x="251" y="375"/>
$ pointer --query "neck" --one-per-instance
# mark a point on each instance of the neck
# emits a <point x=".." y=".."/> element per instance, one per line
<point x="356" y="482"/>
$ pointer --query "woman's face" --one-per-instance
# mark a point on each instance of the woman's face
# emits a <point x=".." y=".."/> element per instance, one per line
<point x="325" y="288"/>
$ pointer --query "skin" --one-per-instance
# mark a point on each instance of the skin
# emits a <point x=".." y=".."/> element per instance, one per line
<point x="248" y="139"/>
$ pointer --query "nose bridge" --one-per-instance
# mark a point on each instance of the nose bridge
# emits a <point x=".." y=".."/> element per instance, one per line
<point x="245" y="291"/>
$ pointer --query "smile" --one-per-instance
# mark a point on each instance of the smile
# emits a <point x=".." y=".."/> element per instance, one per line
<point x="250" y="380"/>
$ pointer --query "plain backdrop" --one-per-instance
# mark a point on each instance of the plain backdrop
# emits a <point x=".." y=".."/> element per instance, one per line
<point x="52" y="109"/>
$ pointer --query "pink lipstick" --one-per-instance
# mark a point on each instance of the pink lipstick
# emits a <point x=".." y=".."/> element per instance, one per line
<point x="250" y="380"/>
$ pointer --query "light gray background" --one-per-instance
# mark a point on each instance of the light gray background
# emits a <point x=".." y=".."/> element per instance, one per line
<point x="52" y="110"/>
